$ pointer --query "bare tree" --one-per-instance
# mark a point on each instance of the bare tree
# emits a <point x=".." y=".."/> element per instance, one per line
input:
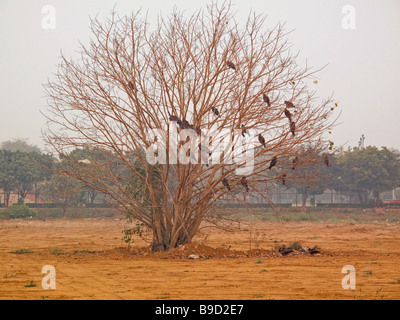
<point x="180" y="111"/>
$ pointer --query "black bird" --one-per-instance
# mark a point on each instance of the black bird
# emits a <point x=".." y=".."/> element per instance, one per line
<point x="244" y="130"/>
<point x="174" y="118"/>
<point x="215" y="110"/>
<point x="285" y="251"/>
<point x="231" y="65"/>
<point x="283" y="177"/>
<point x="226" y="183"/>
<point x="130" y="84"/>
<point x="244" y="183"/>
<point x="185" y="124"/>
<point x="313" y="250"/>
<point x="273" y="162"/>
<point x="261" y="139"/>
<point x="266" y="99"/>
<point x="326" y="159"/>
<point x="288" y="115"/>
<point x="295" y="160"/>
<point x="292" y="127"/>
<point x="289" y="104"/>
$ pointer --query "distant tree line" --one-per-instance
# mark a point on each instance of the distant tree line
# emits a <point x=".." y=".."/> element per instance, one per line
<point x="24" y="169"/>
<point x="364" y="172"/>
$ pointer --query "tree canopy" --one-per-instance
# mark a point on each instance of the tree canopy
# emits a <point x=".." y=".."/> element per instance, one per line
<point x="370" y="169"/>
<point x="21" y="171"/>
<point x="19" y="145"/>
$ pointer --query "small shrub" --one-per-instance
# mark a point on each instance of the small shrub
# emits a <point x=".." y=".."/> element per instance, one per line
<point x="295" y="246"/>
<point x="31" y="284"/>
<point x="19" y="211"/>
<point x="57" y="251"/>
<point x="22" y="251"/>
<point x="280" y="247"/>
<point x="377" y="294"/>
<point x="130" y="232"/>
<point x="80" y="252"/>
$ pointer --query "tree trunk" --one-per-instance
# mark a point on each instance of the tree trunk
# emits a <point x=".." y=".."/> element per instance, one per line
<point x="64" y="207"/>
<point x="92" y="196"/>
<point x="7" y="198"/>
<point x="360" y="197"/>
<point x="21" y="197"/>
<point x="304" y="197"/>
<point x="378" y="200"/>
<point x="167" y="236"/>
<point x="161" y="236"/>
<point x="36" y="192"/>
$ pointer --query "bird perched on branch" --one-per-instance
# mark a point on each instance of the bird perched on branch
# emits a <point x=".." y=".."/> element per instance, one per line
<point x="295" y="160"/>
<point x="215" y="111"/>
<point x="231" y="65"/>
<point x="244" y="183"/>
<point x="266" y="99"/>
<point x="130" y="84"/>
<point x="289" y="104"/>
<point x="288" y="115"/>
<point x="292" y="127"/>
<point x="283" y="178"/>
<point x="261" y="139"/>
<point x="226" y="183"/>
<point x="185" y="124"/>
<point x="244" y="130"/>
<point x="175" y="119"/>
<point x="326" y="159"/>
<point x="273" y="162"/>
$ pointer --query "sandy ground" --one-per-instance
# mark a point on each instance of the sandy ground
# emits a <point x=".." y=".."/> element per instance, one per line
<point x="92" y="262"/>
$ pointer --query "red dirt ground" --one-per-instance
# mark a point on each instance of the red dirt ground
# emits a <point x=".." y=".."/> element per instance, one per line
<point x="92" y="262"/>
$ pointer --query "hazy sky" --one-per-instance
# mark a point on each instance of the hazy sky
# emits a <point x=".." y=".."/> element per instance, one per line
<point x="361" y="49"/>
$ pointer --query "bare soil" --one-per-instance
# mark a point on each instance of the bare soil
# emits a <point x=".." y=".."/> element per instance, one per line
<point x="92" y="262"/>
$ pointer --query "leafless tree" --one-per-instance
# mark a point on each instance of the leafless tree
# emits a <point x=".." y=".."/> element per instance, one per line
<point x="209" y="87"/>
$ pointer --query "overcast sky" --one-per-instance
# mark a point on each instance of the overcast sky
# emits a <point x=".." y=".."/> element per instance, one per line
<point x="360" y="47"/>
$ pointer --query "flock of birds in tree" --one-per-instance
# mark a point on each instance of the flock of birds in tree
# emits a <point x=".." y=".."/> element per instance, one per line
<point x="184" y="124"/>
